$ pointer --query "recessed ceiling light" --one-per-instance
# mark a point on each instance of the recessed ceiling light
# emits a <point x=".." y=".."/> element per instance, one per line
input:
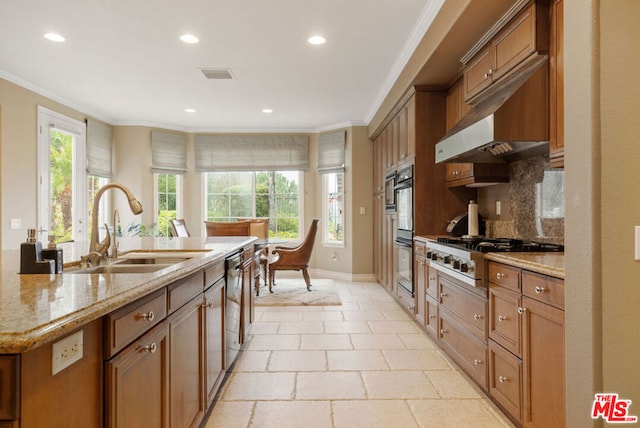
<point x="317" y="40"/>
<point x="189" y="38"/>
<point x="54" y="37"/>
<point x="267" y="110"/>
<point x="190" y="110"/>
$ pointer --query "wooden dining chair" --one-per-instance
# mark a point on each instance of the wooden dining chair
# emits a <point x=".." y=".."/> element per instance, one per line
<point x="228" y="228"/>
<point x="179" y="228"/>
<point x="260" y="229"/>
<point x="296" y="258"/>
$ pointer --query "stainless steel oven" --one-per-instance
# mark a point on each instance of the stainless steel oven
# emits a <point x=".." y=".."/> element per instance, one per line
<point x="390" y="191"/>
<point x="404" y="233"/>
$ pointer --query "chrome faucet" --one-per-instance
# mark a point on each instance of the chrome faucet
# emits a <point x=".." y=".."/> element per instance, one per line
<point x="98" y="250"/>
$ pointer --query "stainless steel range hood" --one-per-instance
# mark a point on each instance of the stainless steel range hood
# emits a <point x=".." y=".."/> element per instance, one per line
<point x="510" y="123"/>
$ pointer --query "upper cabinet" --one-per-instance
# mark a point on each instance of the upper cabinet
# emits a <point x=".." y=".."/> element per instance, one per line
<point x="396" y="143"/>
<point x="504" y="47"/>
<point x="556" y="80"/>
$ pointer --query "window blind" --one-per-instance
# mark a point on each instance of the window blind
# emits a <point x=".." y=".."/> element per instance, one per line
<point x="331" y="148"/>
<point x="99" y="143"/>
<point x="251" y="153"/>
<point x="168" y="153"/>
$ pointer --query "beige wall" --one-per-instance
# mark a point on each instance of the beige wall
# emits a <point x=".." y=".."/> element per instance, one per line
<point x="602" y="133"/>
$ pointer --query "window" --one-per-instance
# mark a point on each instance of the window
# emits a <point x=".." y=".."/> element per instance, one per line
<point x="94" y="183"/>
<point x="168" y="191"/>
<point x="333" y="191"/>
<point x="62" y="177"/>
<point x="272" y="194"/>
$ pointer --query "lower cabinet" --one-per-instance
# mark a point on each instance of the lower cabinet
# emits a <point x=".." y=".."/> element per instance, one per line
<point x="526" y="345"/>
<point x="136" y="382"/>
<point x="186" y="364"/>
<point x="214" y="339"/>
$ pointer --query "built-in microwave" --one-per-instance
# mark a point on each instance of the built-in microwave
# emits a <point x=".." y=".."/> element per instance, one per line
<point x="390" y="191"/>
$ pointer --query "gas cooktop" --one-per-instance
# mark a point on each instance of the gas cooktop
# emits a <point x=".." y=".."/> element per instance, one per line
<point x="486" y="245"/>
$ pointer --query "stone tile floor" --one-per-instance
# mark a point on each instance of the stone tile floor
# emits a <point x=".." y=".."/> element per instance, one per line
<point x="362" y="364"/>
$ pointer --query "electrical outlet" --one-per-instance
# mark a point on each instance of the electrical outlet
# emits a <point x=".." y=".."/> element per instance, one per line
<point x="16" y="223"/>
<point x="66" y="352"/>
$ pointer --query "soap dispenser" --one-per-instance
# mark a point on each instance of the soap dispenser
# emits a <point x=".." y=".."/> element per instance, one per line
<point x="31" y="256"/>
<point x="53" y="253"/>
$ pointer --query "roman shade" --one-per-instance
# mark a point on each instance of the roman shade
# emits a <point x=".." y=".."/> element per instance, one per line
<point x="331" y="152"/>
<point x="168" y="153"/>
<point x="251" y="153"/>
<point x="99" y="143"/>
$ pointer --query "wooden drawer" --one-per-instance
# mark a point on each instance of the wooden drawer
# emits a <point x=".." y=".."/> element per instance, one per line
<point x="471" y="309"/>
<point x="431" y="317"/>
<point x="183" y="290"/>
<point x="420" y="248"/>
<point x="469" y="352"/>
<point x="128" y="323"/>
<point x="543" y="288"/>
<point x="213" y="273"/>
<point x="504" y="276"/>
<point x="505" y="379"/>
<point x="432" y="282"/>
<point x="504" y="320"/>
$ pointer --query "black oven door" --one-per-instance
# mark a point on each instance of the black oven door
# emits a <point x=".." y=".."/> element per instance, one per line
<point x="390" y="192"/>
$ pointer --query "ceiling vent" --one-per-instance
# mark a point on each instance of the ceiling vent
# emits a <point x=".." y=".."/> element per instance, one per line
<point x="217" y="73"/>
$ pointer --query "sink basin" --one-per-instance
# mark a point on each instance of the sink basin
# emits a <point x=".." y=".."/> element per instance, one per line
<point x="157" y="257"/>
<point x="123" y="268"/>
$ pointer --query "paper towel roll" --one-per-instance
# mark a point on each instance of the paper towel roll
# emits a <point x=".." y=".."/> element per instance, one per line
<point x="472" y="215"/>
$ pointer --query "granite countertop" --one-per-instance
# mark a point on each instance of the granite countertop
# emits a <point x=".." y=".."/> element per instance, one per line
<point x="35" y="309"/>
<point x="551" y="264"/>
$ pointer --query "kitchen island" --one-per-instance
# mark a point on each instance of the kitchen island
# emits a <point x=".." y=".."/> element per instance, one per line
<point x="173" y="317"/>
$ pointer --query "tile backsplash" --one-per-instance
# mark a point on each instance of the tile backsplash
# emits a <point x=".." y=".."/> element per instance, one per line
<point x="532" y="203"/>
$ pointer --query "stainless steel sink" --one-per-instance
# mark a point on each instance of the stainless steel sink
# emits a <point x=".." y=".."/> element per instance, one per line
<point x="122" y="268"/>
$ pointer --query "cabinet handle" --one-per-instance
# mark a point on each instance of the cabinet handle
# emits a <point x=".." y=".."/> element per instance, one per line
<point x="150" y="348"/>
<point x="539" y="290"/>
<point x="207" y="305"/>
<point x="443" y="331"/>
<point x="477" y="362"/>
<point x="502" y="318"/>
<point x="432" y="317"/>
<point x="503" y="379"/>
<point x="499" y="275"/>
<point x="488" y="73"/>
<point x="149" y="316"/>
<point x="443" y="294"/>
<point x="521" y="310"/>
<point x="477" y="317"/>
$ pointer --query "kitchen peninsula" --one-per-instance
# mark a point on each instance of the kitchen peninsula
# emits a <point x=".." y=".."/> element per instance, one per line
<point x="150" y="345"/>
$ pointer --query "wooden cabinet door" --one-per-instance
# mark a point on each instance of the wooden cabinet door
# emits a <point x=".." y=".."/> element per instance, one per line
<point x="505" y="324"/>
<point x="556" y="74"/>
<point x="378" y="167"/>
<point x="420" y="273"/>
<point x="453" y="172"/>
<point x="544" y="387"/>
<point x="378" y="226"/>
<point x="403" y="146"/>
<point x="515" y="42"/>
<point x="411" y="126"/>
<point x="478" y="72"/>
<point x="186" y="365"/>
<point x="136" y="384"/>
<point x="214" y="338"/>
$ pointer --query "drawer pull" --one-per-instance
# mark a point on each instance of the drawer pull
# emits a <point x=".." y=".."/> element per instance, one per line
<point x="443" y="331"/>
<point x="432" y="278"/>
<point x="539" y="290"/>
<point x="502" y="318"/>
<point x="207" y="305"/>
<point x="149" y="316"/>
<point x="503" y="379"/>
<point x="443" y="294"/>
<point x="150" y="348"/>
<point x="477" y="317"/>
<point x="499" y="275"/>
<point x="477" y="362"/>
<point x="432" y="317"/>
<point x="521" y="310"/>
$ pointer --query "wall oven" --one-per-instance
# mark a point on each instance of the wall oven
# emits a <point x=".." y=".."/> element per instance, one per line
<point x="390" y="191"/>
<point x="404" y="233"/>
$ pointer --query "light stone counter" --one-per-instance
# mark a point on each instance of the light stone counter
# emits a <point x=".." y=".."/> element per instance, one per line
<point x="551" y="264"/>
<point x="36" y="309"/>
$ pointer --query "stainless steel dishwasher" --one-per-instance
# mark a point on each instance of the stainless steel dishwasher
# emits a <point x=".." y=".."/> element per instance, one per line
<point x="232" y="307"/>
